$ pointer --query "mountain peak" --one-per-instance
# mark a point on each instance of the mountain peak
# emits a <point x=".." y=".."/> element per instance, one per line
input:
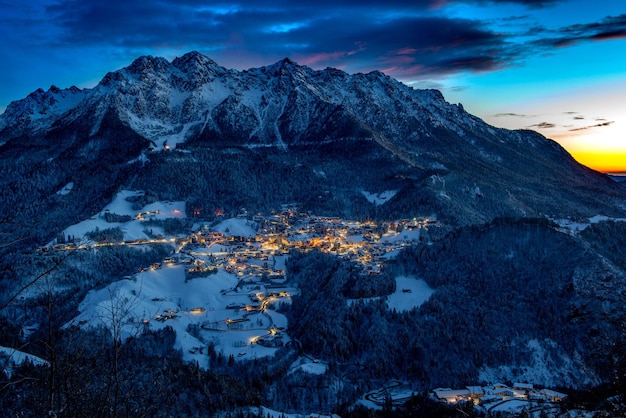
<point x="36" y="94"/>
<point x="193" y="102"/>
<point x="284" y="66"/>
<point x="147" y="63"/>
<point x="193" y="59"/>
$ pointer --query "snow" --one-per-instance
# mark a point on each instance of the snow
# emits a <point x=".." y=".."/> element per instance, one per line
<point x="511" y="405"/>
<point x="399" y="392"/>
<point x="127" y="306"/>
<point x="545" y="368"/>
<point x="270" y="413"/>
<point x="236" y="227"/>
<point x="322" y="174"/>
<point x="577" y="226"/>
<point x="404" y="235"/>
<point x="15" y="357"/>
<point x="66" y="189"/>
<point x="410" y="293"/>
<point x="133" y="229"/>
<point x="309" y="366"/>
<point x="379" y="198"/>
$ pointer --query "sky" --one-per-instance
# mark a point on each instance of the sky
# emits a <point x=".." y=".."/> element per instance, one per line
<point x="554" y="66"/>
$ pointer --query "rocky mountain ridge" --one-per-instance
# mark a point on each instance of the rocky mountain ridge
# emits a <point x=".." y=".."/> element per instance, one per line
<point x="515" y="296"/>
<point x="439" y="158"/>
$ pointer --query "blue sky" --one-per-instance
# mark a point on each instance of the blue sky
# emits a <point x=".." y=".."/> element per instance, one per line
<point x="556" y="66"/>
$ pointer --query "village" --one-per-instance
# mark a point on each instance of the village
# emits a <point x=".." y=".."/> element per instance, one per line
<point x="254" y="244"/>
<point x="255" y="249"/>
<point x="502" y="397"/>
<point x="223" y="283"/>
<point x="251" y="245"/>
<point x="492" y="398"/>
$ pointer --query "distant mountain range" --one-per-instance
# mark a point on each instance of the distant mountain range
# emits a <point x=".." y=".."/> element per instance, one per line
<point x="328" y="136"/>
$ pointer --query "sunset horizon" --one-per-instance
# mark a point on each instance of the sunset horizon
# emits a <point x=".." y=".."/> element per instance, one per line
<point x="553" y="66"/>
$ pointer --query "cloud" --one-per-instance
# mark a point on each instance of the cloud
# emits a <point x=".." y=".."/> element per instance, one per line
<point x="543" y="125"/>
<point x="407" y="40"/>
<point x="609" y="28"/>
<point x="598" y="125"/>
<point x="517" y="115"/>
<point x="527" y="3"/>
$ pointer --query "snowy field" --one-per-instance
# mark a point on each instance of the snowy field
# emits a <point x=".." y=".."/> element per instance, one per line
<point x="197" y="309"/>
<point x="405" y="235"/>
<point x="574" y="226"/>
<point x="270" y="413"/>
<point x="307" y="365"/>
<point x="410" y="293"/>
<point x="399" y="392"/>
<point x="379" y="198"/>
<point x="236" y="227"/>
<point x="133" y="229"/>
<point x="10" y="357"/>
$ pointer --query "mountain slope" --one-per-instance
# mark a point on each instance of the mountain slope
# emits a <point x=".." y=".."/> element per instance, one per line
<point x="513" y="295"/>
<point x="343" y="134"/>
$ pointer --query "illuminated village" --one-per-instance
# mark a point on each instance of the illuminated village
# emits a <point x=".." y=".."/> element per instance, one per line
<point x="254" y="253"/>
<point x="223" y="283"/>
<point x="222" y="286"/>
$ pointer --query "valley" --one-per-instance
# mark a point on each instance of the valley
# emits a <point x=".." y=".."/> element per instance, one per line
<point x="223" y="282"/>
<point x="427" y="249"/>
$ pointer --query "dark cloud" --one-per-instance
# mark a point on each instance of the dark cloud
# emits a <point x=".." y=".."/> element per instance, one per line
<point x="543" y="125"/>
<point x="517" y="115"/>
<point x="575" y="116"/>
<point x="609" y="28"/>
<point x="598" y="125"/>
<point x="527" y="3"/>
<point x="407" y="40"/>
<point x="394" y="36"/>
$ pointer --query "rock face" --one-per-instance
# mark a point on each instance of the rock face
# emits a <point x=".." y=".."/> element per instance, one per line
<point x="348" y="133"/>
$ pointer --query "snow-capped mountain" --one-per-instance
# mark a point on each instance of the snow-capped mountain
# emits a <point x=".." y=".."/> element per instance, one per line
<point x="368" y="132"/>
<point x="40" y="109"/>
<point x="110" y="201"/>
<point x="278" y="105"/>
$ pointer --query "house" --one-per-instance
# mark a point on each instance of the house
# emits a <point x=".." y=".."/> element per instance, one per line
<point x="522" y="390"/>
<point x="553" y="395"/>
<point x="475" y="392"/>
<point x="451" y="396"/>
<point x="523" y="386"/>
<point x="503" y="392"/>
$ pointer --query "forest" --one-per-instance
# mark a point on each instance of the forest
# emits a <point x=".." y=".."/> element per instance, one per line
<point x="482" y="314"/>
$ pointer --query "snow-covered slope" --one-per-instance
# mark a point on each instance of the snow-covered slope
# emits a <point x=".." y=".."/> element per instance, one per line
<point x="40" y="109"/>
<point x="277" y="105"/>
<point x="339" y="123"/>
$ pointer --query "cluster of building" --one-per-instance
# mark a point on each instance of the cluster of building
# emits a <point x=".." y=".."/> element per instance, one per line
<point x="367" y="244"/>
<point x="496" y="393"/>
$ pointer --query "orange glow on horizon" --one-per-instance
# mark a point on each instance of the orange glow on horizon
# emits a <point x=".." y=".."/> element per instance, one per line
<point x="602" y="149"/>
<point x="606" y="162"/>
